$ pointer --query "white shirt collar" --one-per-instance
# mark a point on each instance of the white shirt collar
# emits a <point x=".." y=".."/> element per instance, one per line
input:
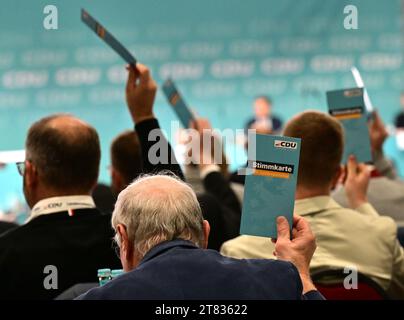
<point x="58" y="204"/>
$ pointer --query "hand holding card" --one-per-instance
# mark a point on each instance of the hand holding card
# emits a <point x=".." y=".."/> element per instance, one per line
<point x="347" y="105"/>
<point x="178" y="104"/>
<point x="271" y="185"/>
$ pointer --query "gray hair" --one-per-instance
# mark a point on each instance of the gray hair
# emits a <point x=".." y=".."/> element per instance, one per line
<point x="157" y="208"/>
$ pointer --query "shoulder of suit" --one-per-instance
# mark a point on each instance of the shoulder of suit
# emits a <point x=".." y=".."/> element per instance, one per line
<point x="245" y="246"/>
<point x="45" y="221"/>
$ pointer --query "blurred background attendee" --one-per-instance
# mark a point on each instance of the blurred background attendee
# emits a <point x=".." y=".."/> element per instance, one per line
<point x="264" y="119"/>
<point x="218" y="201"/>
<point x="399" y="119"/>
<point x="357" y="236"/>
<point x="126" y="165"/>
<point x="104" y="197"/>
<point x="386" y="189"/>
<point x="237" y="177"/>
<point x="5" y="225"/>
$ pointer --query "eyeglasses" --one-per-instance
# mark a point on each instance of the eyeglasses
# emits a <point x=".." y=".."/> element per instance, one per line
<point x="21" y="168"/>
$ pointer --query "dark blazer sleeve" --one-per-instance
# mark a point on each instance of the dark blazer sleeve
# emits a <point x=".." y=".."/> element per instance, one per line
<point x="151" y="137"/>
<point x="276" y="124"/>
<point x="310" y="295"/>
<point x="313" y="295"/>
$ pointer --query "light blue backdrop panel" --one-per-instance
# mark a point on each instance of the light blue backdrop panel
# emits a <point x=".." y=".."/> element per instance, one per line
<point x="220" y="53"/>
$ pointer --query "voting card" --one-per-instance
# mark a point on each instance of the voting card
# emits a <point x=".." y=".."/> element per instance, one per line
<point x="360" y="84"/>
<point x="12" y="156"/>
<point x="348" y="106"/>
<point x="270" y="183"/>
<point x="107" y="37"/>
<point x="177" y="102"/>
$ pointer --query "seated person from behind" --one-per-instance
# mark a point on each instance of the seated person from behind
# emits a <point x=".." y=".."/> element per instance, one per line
<point x="65" y="230"/>
<point x="126" y="165"/>
<point x="162" y="234"/>
<point x="356" y="237"/>
<point x="126" y="160"/>
<point x="163" y="238"/>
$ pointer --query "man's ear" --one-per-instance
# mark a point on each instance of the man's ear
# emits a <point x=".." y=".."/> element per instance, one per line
<point x="339" y="177"/>
<point x="125" y="245"/>
<point x="30" y="175"/>
<point x="206" y="231"/>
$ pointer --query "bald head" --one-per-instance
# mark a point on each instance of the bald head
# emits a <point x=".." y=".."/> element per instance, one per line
<point x="158" y="208"/>
<point x="71" y="126"/>
<point x="66" y="153"/>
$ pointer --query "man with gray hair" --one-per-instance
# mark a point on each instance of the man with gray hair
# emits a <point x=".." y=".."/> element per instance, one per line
<point x="162" y="239"/>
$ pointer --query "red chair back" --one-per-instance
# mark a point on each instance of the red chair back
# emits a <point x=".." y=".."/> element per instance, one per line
<point x="334" y="289"/>
<point x="338" y="292"/>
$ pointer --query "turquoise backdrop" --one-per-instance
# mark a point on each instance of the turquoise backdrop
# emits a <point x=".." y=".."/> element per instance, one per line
<point x="221" y="53"/>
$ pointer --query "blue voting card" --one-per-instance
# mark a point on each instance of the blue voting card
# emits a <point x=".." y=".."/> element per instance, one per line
<point x="360" y="84"/>
<point x="177" y="102"/>
<point x="348" y="106"/>
<point x="270" y="183"/>
<point x="107" y="37"/>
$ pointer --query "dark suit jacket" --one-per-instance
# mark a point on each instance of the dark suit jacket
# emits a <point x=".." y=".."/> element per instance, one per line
<point x="78" y="246"/>
<point x="276" y="123"/>
<point x="179" y="270"/>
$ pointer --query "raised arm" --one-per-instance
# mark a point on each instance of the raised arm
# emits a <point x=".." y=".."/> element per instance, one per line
<point x="378" y="135"/>
<point x="157" y="153"/>
<point x="209" y="160"/>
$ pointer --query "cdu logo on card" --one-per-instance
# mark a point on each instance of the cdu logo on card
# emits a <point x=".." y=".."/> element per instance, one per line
<point x="285" y="144"/>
